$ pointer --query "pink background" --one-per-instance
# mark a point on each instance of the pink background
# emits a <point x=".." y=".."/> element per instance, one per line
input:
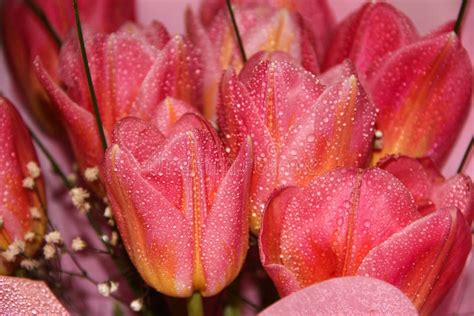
<point x="426" y="14"/>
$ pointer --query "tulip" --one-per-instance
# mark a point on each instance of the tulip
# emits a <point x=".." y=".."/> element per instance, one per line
<point x="24" y="38"/>
<point x="367" y="35"/>
<point x="300" y="127"/>
<point x="261" y="26"/>
<point x="421" y="85"/>
<point x="22" y="187"/>
<point x="362" y="222"/>
<point x="180" y="207"/>
<point x="133" y="70"/>
<point x="423" y="91"/>
<point x="429" y="188"/>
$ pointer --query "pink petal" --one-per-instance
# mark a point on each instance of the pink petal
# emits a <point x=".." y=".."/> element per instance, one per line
<point x="82" y="128"/>
<point x="424" y="259"/>
<point x="348" y="296"/>
<point x="23" y="296"/>
<point x="225" y="233"/>
<point x="169" y="111"/>
<point x="369" y="34"/>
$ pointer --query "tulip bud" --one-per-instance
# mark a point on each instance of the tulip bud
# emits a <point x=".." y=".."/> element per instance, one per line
<point x="262" y="28"/>
<point x="133" y="71"/>
<point x="300" y="127"/>
<point x="423" y="91"/>
<point x="180" y="207"/>
<point x="362" y="222"/>
<point x="367" y="35"/>
<point x="21" y="209"/>
<point x="25" y="38"/>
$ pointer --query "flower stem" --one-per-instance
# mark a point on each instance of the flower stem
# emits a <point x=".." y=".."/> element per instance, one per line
<point x="236" y="30"/>
<point x="194" y="305"/>
<point x="89" y="77"/>
<point x="51" y="160"/>
<point x="467" y="154"/>
<point x="44" y="20"/>
<point x="462" y="10"/>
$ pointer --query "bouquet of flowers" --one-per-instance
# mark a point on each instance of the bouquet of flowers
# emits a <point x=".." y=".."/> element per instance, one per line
<point x="269" y="160"/>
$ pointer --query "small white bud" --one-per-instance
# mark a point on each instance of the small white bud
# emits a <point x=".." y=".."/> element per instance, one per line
<point x="137" y="305"/>
<point x="91" y="174"/>
<point x="53" y="237"/>
<point x="78" y="244"/>
<point x="49" y="251"/>
<point x="33" y="169"/>
<point x="29" y="236"/>
<point x="28" y="183"/>
<point x="108" y="212"/>
<point x="35" y="213"/>
<point x="114" y="236"/>
<point x="113" y="286"/>
<point x="29" y="264"/>
<point x="104" y="289"/>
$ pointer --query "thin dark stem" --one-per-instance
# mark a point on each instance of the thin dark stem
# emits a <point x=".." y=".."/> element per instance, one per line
<point x="236" y="29"/>
<point x="462" y="10"/>
<point x="51" y="160"/>
<point x="44" y="20"/>
<point x="89" y="77"/>
<point x="467" y="153"/>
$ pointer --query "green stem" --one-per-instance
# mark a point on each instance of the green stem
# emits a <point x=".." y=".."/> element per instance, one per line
<point x="38" y="11"/>
<point x="462" y="10"/>
<point x="467" y="153"/>
<point x="51" y="160"/>
<point x="89" y="77"/>
<point x="194" y="305"/>
<point x="236" y="29"/>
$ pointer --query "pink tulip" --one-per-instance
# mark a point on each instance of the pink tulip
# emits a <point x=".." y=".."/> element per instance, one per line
<point x="300" y="127"/>
<point x="133" y="71"/>
<point x="363" y="222"/>
<point x="24" y="38"/>
<point x="428" y="186"/>
<point x="421" y="85"/>
<point x="22" y="187"/>
<point x="263" y="27"/>
<point x="181" y="208"/>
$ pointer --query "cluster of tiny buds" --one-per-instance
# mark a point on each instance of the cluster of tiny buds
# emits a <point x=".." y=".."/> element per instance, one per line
<point x="79" y="198"/>
<point x="106" y="288"/>
<point x="35" y="213"/>
<point x="14" y="249"/>
<point x="108" y="215"/>
<point x="33" y="173"/>
<point x="52" y="239"/>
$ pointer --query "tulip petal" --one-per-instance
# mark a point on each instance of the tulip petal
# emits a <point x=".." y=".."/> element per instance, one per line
<point x="368" y="34"/>
<point x="423" y="92"/>
<point x="176" y="73"/>
<point x="225" y="233"/>
<point x="424" y="259"/>
<point x="16" y="151"/>
<point x="169" y="111"/>
<point x="344" y="296"/>
<point x="82" y="129"/>
<point x="137" y="137"/>
<point x="339" y="124"/>
<point x="429" y="188"/>
<point x="164" y="257"/>
<point x="23" y="296"/>
<point x="328" y="227"/>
